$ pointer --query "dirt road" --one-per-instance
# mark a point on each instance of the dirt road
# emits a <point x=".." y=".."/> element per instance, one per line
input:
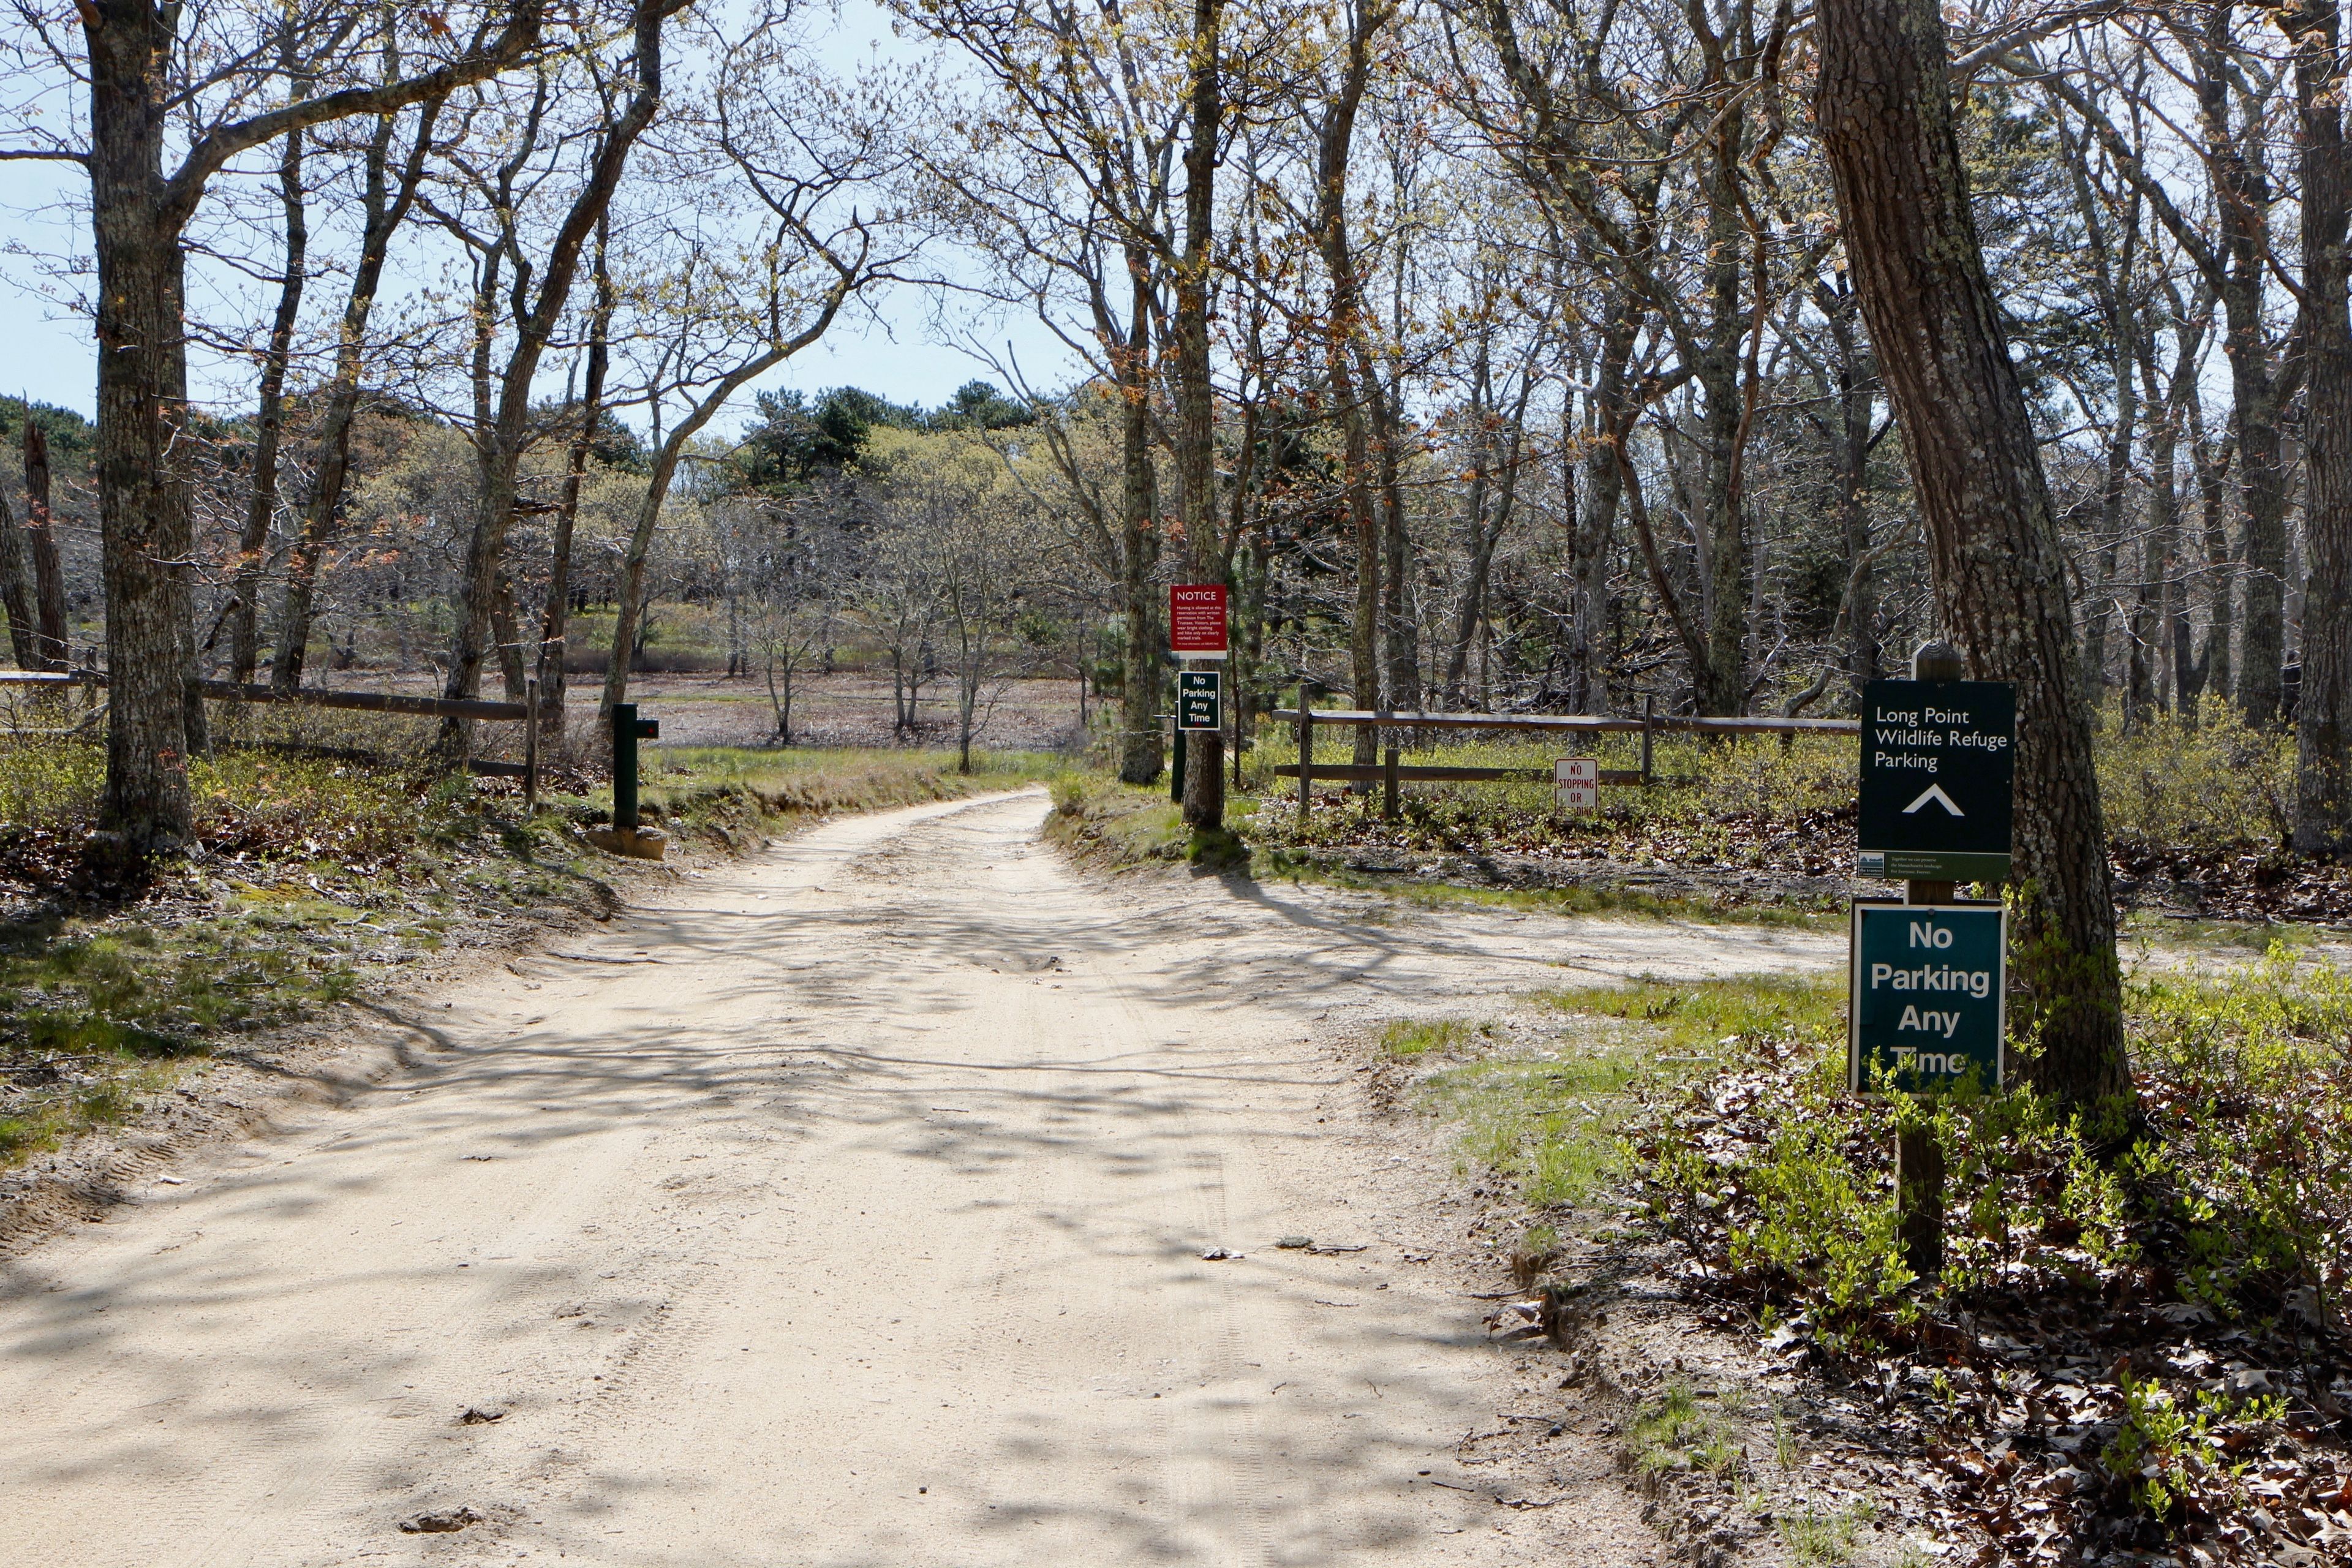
<point x="846" y="1209"/>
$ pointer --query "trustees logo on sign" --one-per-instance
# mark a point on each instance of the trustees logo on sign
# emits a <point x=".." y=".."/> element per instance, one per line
<point x="1196" y="620"/>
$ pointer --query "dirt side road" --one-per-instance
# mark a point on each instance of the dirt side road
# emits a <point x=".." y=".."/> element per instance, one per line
<point x="848" y="1210"/>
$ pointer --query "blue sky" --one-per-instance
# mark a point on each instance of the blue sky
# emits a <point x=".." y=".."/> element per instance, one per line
<point x="893" y="350"/>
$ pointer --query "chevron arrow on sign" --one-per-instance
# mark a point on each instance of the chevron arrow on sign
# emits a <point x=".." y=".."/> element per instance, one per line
<point x="1935" y="793"/>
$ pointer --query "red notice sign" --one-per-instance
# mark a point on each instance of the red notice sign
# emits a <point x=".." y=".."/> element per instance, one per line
<point x="1196" y="620"/>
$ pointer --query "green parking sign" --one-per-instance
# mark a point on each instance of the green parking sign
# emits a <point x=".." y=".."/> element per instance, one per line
<point x="1200" y="700"/>
<point x="1929" y="1009"/>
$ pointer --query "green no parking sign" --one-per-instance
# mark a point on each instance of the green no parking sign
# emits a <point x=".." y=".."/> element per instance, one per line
<point x="1928" y="1011"/>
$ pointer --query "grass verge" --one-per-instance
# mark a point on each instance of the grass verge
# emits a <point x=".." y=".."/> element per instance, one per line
<point x="1541" y="1102"/>
<point x="1122" y="826"/>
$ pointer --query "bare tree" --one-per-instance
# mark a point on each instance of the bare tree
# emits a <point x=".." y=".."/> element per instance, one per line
<point x="730" y="320"/>
<point x="1886" y="121"/>
<point x="384" y="204"/>
<point x="509" y="432"/>
<point x="142" y="80"/>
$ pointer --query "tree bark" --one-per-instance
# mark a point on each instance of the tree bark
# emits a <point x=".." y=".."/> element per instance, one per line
<point x="1852" y="435"/>
<point x="16" y="589"/>
<point x="1399" y="611"/>
<point x="144" y="521"/>
<point x="1138" y="537"/>
<point x="2208" y="670"/>
<point x="52" y="645"/>
<point x="555" y="618"/>
<point x="1196" y="431"/>
<point x="1342" y="329"/>
<point x="2323" y="815"/>
<point x="2151" y="605"/>
<point x="1476" y="552"/>
<point x="1886" y="119"/>
<point x="1719" y="683"/>
<point x="1611" y="415"/>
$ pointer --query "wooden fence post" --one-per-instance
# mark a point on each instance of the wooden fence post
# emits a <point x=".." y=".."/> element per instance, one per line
<point x="1389" y="784"/>
<point x="530" y="746"/>
<point x="1306" y="753"/>
<point x="1918" y="1155"/>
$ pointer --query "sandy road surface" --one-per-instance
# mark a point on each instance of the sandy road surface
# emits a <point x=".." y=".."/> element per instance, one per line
<point x="845" y="1210"/>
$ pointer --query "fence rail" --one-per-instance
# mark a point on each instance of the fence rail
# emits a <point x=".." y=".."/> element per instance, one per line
<point x="358" y="701"/>
<point x="1576" y="723"/>
<point x="1390" y="772"/>
<point x="1376" y="772"/>
<point x="361" y="701"/>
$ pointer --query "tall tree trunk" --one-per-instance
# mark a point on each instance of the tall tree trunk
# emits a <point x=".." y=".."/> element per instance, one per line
<point x="2151" y="603"/>
<point x="2099" y="600"/>
<point x="1852" y="439"/>
<point x="1481" y="536"/>
<point x="2323" y="814"/>
<point x="270" y="416"/>
<point x="1400" y="609"/>
<point x="16" y="589"/>
<point x="1138" y="537"/>
<point x="146" y="535"/>
<point x="1196" y="412"/>
<point x="555" y="618"/>
<point x="1884" y="111"/>
<point x="1477" y="549"/>
<point x="1719" y="684"/>
<point x="1611" y="415"/>
<point x="2209" y="670"/>
<point x="1342" y="330"/>
<point x="52" y="645"/>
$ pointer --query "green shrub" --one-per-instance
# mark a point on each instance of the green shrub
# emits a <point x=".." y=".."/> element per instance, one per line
<point x="2239" y="1184"/>
<point x="2212" y="784"/>
<point x="2176" y="1457"/>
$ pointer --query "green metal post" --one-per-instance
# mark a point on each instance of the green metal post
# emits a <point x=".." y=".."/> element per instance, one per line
<point x="625" y="764"/>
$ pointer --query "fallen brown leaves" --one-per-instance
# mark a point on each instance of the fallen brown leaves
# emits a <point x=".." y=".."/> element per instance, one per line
<point x="2059" y="1400"/>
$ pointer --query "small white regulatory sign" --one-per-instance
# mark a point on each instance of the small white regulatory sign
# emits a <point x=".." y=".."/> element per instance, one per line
<point x="1576" y="783"/>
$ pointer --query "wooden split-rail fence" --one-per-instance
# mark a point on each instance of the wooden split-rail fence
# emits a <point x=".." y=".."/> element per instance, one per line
<point x="523" y="713"/>
<point x="1390" y="772"/>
